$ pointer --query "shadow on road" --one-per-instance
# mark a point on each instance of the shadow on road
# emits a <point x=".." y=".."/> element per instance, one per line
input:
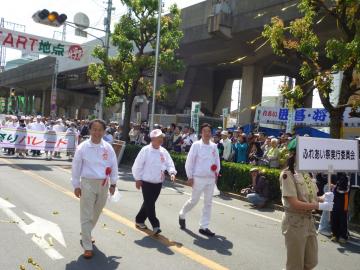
<point x="28" y="167"/>
<point x="149" y="242"/>
<point x="348" y="248"/>
<point x="99" y="261"/>
<point x="218" y="243"/>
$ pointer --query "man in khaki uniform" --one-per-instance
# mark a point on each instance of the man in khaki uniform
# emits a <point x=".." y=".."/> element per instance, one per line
<point x="298" y="226"/>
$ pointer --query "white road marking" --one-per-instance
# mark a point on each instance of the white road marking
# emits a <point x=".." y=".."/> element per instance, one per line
<point x="250" y="212"/>
<point x="39" y="228"/>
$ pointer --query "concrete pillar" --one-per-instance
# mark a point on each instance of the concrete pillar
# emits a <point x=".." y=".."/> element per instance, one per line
<point x="43" y="97"/>
<point x="251" y="92"/>
<point x="225" y="97"/>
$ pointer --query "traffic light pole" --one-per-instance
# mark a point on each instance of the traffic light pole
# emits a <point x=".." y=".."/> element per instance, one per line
<point x="156" y="66"/>
<point x="107" y="44"/>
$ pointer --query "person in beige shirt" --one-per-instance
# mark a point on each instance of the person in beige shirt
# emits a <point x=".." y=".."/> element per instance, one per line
<point x="299" y="198"/>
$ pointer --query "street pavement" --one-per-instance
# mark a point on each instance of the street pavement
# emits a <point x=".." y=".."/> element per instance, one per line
<point x="39" y="219"/>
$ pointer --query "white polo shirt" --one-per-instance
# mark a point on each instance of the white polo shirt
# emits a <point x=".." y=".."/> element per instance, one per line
<point x="151" y="164"/>
<point x="91" y="160"/>
<point x="201" y="158"/>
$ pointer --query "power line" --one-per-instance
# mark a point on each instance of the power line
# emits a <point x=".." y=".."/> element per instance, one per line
<point x="96" y="3"/>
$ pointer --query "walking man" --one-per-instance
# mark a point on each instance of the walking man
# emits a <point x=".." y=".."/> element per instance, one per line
<point x="202" y="169"/>
<point x="94" y="173"/>
<point x="149" y="172"/>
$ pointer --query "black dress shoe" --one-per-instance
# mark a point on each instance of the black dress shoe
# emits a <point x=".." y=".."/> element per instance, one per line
<point x="206" y="232"/>
<point x="157" y="231"/>
<point x="182" y="223"/>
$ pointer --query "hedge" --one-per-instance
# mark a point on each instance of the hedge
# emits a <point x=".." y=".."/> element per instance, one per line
<point x="234" y="176"/>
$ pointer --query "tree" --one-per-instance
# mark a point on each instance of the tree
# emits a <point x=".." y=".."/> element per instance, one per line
<point x="321" y="57"/>
<point x="130" y="72"/>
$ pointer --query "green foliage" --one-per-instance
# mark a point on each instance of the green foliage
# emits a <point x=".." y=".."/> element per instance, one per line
<point x="130" y="71"/>
<point x="320" y="60"/>
<point x="234" y="176"/>
<point x="130" y="153"/>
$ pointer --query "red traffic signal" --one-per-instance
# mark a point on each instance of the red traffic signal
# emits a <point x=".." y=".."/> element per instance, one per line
<point x="47" y="18"/>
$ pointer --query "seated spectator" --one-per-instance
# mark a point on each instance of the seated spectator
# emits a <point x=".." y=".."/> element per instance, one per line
<point x="339" y="215"/>
<point x="272" y="155"/>
<point x="189" y="139"/>
<point x="261" y="138"/>
<point x="177" y="140"/>
<point x="226" y="142"/>
<point x="108" y="137"/>
<point x="255" y="153"/>
<point x="240" y="149"/>
<point x="220" y="146"/>
<point x="284" y="152"/>
<point x="258" y="193"/>
<point x="266" y="145"/>
<point x="118" y="133"/>
<point x="134" y="134"/>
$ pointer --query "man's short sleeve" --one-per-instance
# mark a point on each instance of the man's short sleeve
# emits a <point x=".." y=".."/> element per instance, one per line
<point x="288" y="187"/>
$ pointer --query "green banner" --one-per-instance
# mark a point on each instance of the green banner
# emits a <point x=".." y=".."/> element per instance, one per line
<point x="2" y="105"/>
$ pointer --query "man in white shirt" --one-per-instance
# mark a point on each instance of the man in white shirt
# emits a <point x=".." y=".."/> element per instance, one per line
<point x="149" y="172"/>
<point x="226" y="142"/>
<point x="58" y="127"/>
<point x="189" y="138"/>
<point x="94" y="173"/>
<point x="202" y="169"/>
<point x="38" y="126"/>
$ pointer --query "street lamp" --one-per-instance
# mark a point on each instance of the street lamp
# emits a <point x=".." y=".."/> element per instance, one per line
<point x="156" y="66"/>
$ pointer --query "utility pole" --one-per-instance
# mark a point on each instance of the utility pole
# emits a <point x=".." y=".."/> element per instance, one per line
<point x="156" y="66"/>
<point x="107" y="23"/>
<point x="53" y="94"/>
<point x="239" y="103"/>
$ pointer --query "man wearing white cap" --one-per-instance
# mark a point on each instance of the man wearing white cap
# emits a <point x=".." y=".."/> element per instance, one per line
<point x="226" y="142"/>
<point x="149" y="172"/>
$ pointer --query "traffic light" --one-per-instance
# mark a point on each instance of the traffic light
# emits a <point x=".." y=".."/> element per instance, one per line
<point x="49" y="18"/>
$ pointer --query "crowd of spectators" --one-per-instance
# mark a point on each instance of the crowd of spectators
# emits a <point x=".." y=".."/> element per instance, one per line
<point x="233" y="146"/>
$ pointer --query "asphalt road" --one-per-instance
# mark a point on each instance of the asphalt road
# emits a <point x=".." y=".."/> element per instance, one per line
<point x="39" y="219"/>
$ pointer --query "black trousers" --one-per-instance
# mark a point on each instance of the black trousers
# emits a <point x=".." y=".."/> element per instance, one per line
<point x="150" y="193"/>
<point x="36" y="152"/>
<point x="339" y="222"/>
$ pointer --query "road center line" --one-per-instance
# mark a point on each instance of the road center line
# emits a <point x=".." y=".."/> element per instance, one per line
<point x="174" y="246"/>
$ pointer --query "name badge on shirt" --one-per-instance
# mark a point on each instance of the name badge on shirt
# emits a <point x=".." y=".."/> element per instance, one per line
<point x="105" y="155"/>
<point x="162" y="158"/>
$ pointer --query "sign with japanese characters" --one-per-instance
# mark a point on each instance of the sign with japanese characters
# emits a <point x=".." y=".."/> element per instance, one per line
<point x="318" y="154"/>
<point x="195" y="113"/>
<point x="22" y="138"/>
<point x="41" y="45"/>
<point x="301" y="116"/>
